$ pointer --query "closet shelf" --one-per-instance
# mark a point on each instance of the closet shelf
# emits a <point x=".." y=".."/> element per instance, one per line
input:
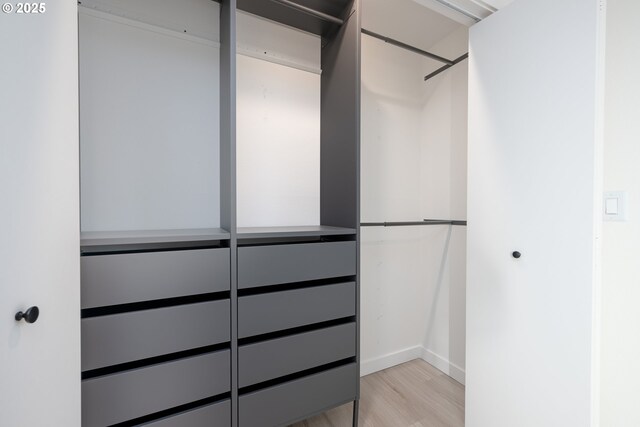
<point x="95" y="241"/>
<point x="316" y="17"/>
<point x="300" y="231"/>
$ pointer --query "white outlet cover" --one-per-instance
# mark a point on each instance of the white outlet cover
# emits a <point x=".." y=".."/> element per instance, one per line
<point x="615" y="206"/>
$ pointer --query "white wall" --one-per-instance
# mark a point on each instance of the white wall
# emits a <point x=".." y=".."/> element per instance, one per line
<point x="150" y="118"/>
<point x="149" y="129"/>
<point x="278" y="125"/>
<point x="413" y="167"/>
<point x="620" y="374"/>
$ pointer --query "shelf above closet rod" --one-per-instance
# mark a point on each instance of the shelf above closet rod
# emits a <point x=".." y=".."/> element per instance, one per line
<point x="414" y="223"/>
<point x="310" y="11"/>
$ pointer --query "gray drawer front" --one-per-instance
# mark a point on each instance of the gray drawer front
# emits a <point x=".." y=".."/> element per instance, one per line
<point x="121" y="397"/>
<point x="260" y="314"/>
<point x="295" y="400"/>
<point x="283" y="356"/>
<point x="272" y="265"/>
<point x="120" y="338"/>
<point x="126" y="278"/>
<point x="214" y="415"/>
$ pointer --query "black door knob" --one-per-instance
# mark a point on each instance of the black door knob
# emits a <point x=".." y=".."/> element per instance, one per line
<point x="29" y="316"/>
<point x="516" y="254"/>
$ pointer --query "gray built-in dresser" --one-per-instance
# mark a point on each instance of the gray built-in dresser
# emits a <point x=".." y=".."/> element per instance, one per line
<point x="233" y="326"/>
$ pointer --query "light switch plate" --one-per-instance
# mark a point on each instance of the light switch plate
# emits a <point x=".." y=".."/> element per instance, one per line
<point x="615" y="206"/>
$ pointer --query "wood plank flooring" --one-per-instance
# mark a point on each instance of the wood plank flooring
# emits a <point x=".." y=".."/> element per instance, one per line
<point x="414" y="394"/>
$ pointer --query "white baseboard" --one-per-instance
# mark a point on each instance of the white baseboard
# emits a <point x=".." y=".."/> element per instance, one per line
<point x="370" y="366"/>
<point x="388" y="360"/>
<point x="444" y="365"/>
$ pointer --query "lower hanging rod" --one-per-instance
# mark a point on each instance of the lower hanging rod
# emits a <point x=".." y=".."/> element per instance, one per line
<point x="414" y="223"/>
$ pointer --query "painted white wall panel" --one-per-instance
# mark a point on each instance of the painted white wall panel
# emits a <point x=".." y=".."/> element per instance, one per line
<point x="620" y="344"/>
<point x="200" y="18"/>
<point x="149" y="127"/>
<point x="278" y="145"/>
<point x="263" y="39"/>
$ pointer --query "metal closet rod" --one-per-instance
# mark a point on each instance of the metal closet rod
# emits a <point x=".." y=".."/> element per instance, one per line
<point x="407" y="47"/>
<point x="446" y="67"/>
<point x="413" y="223"/>
<point x="309" y="11"/>
<point x="448" y="63"/>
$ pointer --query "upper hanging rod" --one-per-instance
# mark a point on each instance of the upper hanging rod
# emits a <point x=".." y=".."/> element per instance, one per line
<point x="407" y="47"/>
<point x="412" y="223"/>
<point x="446" y="67"/>
<point x="309" y="11"/>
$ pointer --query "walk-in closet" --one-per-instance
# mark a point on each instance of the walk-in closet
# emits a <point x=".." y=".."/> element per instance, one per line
<point x="304" y="213"/>
<point x="221" y="146"/>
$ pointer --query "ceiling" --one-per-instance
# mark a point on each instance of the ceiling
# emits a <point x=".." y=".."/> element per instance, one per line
<point x="425" y="23"/>
<point x="466" y="12"/>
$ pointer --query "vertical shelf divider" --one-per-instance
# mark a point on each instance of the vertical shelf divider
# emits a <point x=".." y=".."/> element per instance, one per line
<point x="228" y="172"/>
<point x="340" y="141"/>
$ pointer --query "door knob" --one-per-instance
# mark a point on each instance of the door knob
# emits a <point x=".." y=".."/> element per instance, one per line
<point x="516" y="254"/>
<point x="29" y="316"/>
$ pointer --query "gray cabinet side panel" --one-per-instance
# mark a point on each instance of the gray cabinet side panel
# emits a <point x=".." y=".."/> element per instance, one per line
<point x="340" y="126"/>
<point x="125" y="278"/>
<point x="228" y="115"/>
<point x="279" y="357"/>
<point x="119" y="338"/>
<point x="291" y="401"/>
<point x="271" y="265"/>
<point x="228" y="170"/>
<point x="260" y="314"/>
<point x="214" y="415"/>
<point x="124" y="396"/>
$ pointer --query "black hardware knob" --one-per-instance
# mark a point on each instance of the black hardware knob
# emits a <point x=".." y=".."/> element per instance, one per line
<point x="516" y="254"/>
<point x="29" y="316"/>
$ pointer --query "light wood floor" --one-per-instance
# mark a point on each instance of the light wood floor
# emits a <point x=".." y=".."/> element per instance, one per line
<point x="414" y="394"/>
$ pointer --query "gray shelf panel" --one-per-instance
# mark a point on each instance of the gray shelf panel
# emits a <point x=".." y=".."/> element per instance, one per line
<point x="127" y="395"/>
<point x="291" y="16"/>
<point x="266" y="360"/>
<point x="279" y="264"/>
<point x="286" y="403"/>
<point x="216" y="414"/>
<point x="90" y="239"/>
<point x="125" y="337"/>
<point x="126" y="278"/>
<point x="277" y="311"/>
<point x="296" y="231"/>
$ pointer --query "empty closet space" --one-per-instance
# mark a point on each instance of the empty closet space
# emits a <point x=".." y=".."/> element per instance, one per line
<point x="155" y="266"/>
<point x="414" y="168"/>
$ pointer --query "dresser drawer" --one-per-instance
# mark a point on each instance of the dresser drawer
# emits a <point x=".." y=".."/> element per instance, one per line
<point x="119" y="338"/>
<point x="131" y="394"/>
<point x="270" y="312"/>
<point x="126" y="278"/>
<point x="291" y="401"/>
<point x="275" y="264"/>
<point x="275" y="358"/>
<point x="214" y="415"/>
